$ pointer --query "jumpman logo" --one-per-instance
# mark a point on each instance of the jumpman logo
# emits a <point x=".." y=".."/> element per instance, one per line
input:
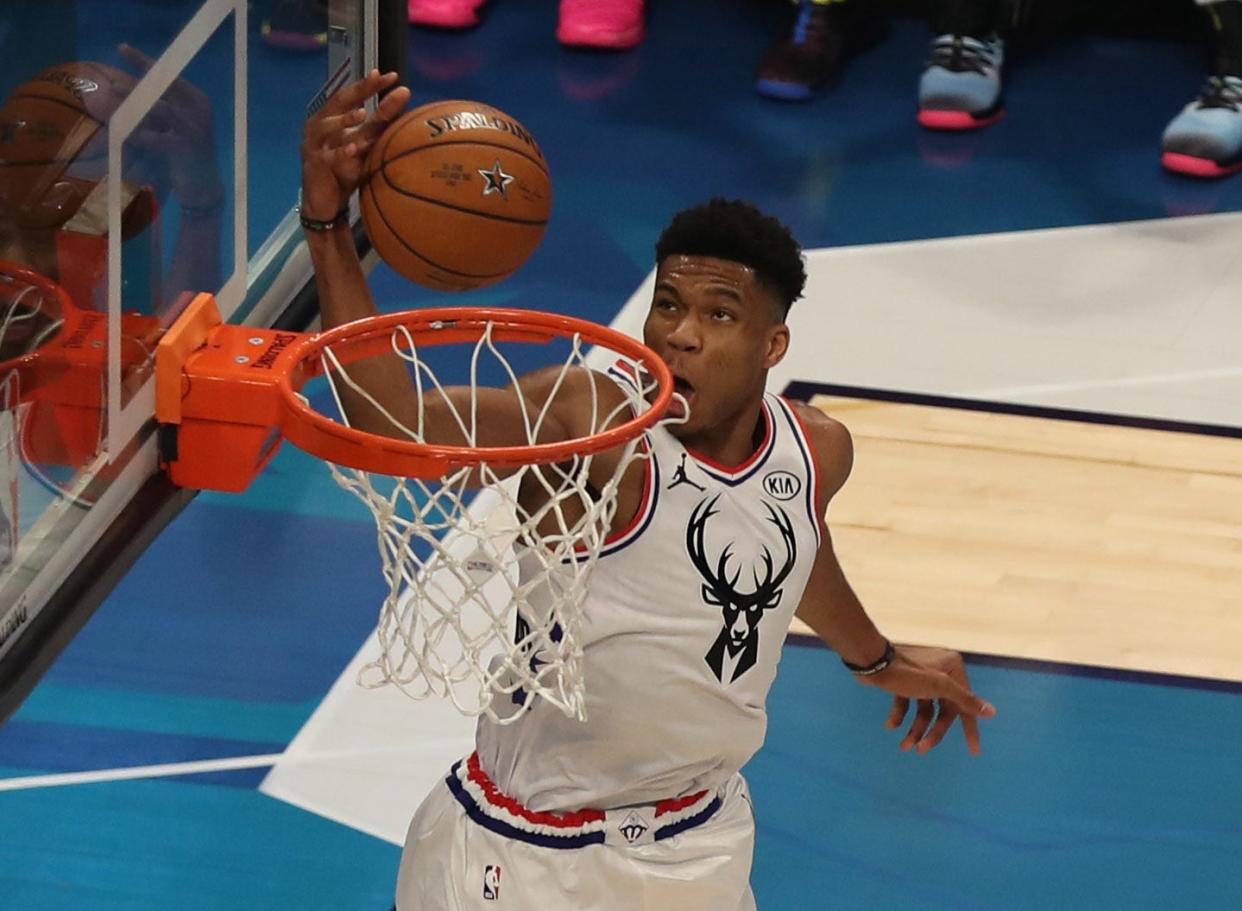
<point x="680" y="477"/>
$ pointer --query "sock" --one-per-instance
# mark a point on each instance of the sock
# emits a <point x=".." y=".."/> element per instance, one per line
<point x="1225" y="17"/>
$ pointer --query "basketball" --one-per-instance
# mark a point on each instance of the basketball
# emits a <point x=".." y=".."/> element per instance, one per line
<point x="46" y="124"/>
<point x="457" y="195"/>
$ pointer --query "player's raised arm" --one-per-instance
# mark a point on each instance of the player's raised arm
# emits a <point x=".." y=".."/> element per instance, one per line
<point x="934" y="678"/>
<point x="378" y="395"/>
<point x="335" y="143"/>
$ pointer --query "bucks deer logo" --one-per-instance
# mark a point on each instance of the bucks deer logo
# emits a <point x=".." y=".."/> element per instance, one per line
<point x="737" y="647"/>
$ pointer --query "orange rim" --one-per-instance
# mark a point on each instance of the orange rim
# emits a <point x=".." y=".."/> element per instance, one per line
<point x="335" y="442"/>
<point x="39" y="280"/>
<point x="52" y="289"/>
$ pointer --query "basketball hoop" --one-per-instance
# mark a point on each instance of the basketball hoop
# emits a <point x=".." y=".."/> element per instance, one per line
<point x="54" y="358"/>
<point x="33" y="310"/>
<point x="485" y="593"/>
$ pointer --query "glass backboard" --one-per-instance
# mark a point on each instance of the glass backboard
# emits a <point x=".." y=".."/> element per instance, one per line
<point x="148" y="151"/>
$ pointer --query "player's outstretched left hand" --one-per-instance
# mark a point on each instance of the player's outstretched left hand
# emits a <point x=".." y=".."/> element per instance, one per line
<point x="337" y="139"/>
<point x="935" y="679"/>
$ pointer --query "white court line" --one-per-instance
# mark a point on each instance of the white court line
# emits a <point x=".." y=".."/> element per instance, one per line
<point x="1154" y="379"/>
<point x="196" y="767"/>
<point x="130" y="773"/>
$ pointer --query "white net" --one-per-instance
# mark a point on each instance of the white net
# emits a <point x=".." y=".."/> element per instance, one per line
<point x="10" y="520"/>
<point x="485" y="592"/>
<point x="29" y="317"/>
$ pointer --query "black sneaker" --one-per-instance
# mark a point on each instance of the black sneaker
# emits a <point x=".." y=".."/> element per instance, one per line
<point x="813" y="54"/>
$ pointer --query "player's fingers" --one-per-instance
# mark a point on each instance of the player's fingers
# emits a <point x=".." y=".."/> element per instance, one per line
<point x="944" y="721"/>
<point x="342" y="156"/>
<point x="358" y="136"/>
<point x="964" y="699"/>
<point x="355" y="93"/>
<point x="897" y="714"/>
<point x="392" y="104"/>
<point x="327" y="130"/>
<point x="362" y="137"/>
<point x="922" y="720"/>
<point x="388" y="111"/>
<point x="970" y="727"/>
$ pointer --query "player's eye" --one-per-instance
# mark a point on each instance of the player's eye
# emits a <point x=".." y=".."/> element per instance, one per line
<point x="721" y="316"/>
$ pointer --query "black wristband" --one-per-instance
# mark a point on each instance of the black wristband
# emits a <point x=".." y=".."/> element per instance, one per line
<point x="314" y="224"/>
<point x="860" y="670"/>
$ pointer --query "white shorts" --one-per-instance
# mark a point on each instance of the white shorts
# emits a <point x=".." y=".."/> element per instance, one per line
<point x="457" y="859"/>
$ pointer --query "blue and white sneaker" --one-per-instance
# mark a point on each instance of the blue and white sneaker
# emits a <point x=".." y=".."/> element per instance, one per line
<point x="961" y="87"/>
<point x="1205" y="139"/>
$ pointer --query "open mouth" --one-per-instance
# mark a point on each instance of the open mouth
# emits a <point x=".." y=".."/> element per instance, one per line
<point x="683" y="398"/>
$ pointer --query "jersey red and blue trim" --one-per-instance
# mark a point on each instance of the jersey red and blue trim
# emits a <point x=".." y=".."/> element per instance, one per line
<point x="487" y="806"/>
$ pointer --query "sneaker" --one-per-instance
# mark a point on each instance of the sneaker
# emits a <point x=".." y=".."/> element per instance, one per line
<point x="961" y="87"/>
<point x="812" y="56"/>
<point x="615" y="25"/>
<point x="456" y="14"/>
<point x="1205" y="139"/>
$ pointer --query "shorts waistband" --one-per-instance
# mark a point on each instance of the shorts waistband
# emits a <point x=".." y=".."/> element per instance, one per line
<point x="489" y="807"/>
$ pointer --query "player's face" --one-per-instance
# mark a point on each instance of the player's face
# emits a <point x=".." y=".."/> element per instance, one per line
<point x="719" y="330"/>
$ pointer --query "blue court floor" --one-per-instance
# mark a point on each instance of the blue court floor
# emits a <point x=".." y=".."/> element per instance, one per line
<point x="1096" y="790"/>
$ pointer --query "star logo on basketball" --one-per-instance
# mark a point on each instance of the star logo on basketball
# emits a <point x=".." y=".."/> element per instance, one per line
<point x="497" y="181"/>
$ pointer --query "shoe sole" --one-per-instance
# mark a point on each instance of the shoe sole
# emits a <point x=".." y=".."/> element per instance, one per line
<point x="785" y="91"/>
<point x="1197" y="167"/>
<point x="958" y="121"/>
<point x="601" y="40"/>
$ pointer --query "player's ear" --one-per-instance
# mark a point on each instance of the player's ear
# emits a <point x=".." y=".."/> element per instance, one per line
<point x="778" y="344"/>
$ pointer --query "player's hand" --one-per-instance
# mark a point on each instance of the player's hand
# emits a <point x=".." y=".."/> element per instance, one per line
<point x="935" y="679"/>
<point x="336" y="140"/>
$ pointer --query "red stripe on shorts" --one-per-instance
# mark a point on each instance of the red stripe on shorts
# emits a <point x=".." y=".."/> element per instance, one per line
<point x="497" y="798"/>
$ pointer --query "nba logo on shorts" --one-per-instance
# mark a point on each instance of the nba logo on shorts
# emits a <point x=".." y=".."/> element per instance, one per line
<point x="491" y="883"/>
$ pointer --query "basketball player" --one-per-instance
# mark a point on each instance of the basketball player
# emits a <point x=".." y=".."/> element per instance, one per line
<point x="642" y="805"/>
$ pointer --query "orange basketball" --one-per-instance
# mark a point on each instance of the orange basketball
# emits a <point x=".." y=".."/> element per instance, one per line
<point x="458" y="195"/>
<point x="46" y="123"/>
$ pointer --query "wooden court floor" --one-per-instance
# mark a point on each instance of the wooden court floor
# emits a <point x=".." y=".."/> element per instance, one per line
<point x="1037" y="537"/>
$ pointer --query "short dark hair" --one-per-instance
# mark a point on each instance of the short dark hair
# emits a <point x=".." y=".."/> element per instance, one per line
<point x="737" y="231"/>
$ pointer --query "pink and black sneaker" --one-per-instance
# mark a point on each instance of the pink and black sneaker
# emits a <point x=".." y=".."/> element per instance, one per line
<point x="615" y="25"/>
<point x="451" y="14"/>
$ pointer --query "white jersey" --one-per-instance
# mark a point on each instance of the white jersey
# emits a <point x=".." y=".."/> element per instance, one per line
<point x="682" y="628"/>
